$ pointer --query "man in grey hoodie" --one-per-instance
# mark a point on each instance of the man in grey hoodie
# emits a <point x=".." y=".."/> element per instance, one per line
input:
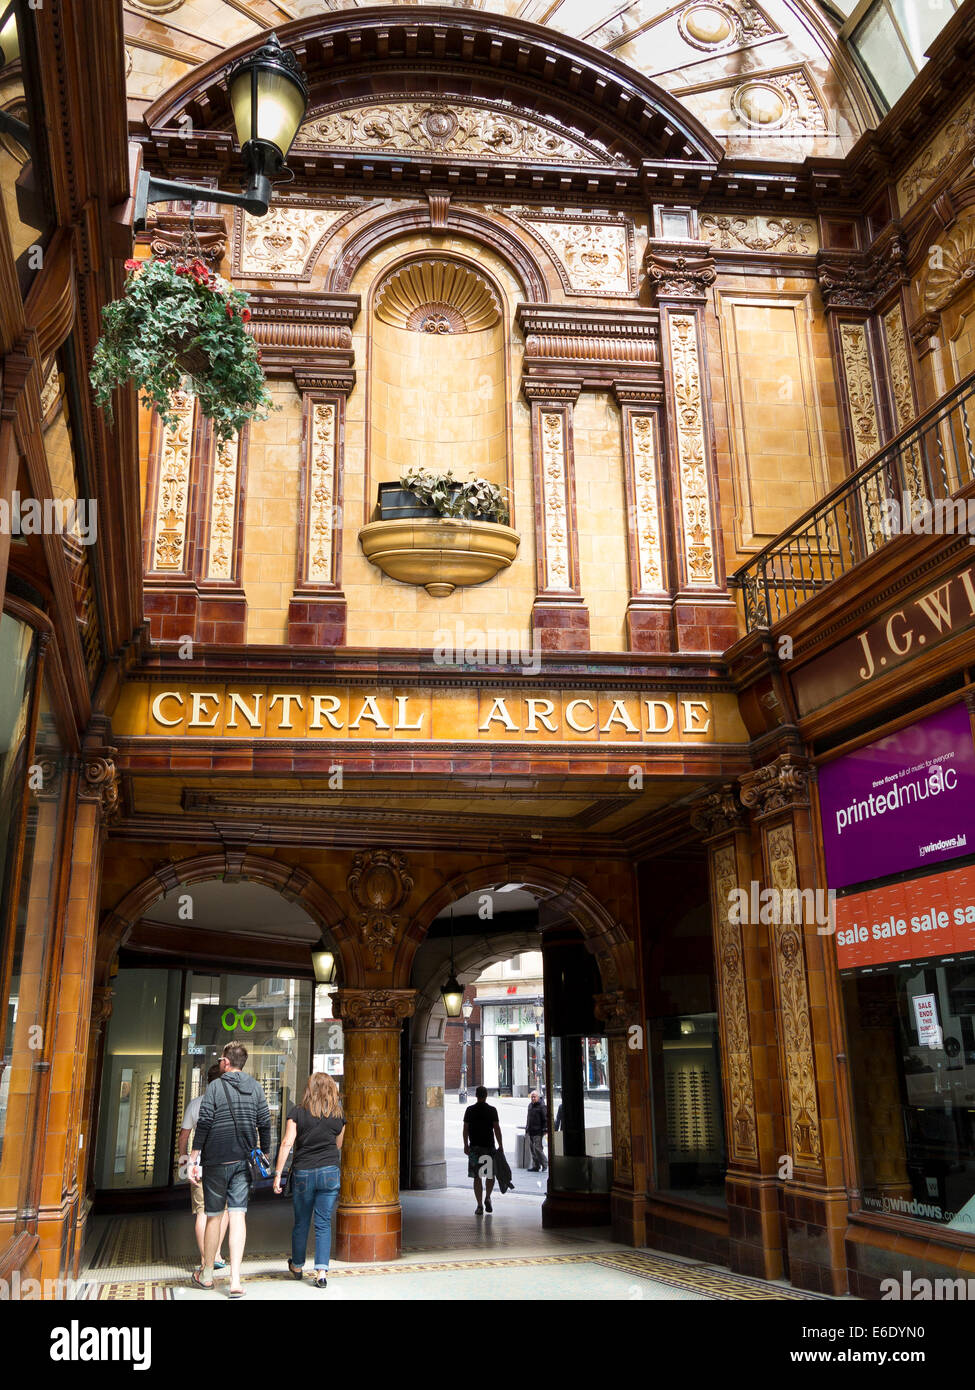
<point x="234" y="1117"/>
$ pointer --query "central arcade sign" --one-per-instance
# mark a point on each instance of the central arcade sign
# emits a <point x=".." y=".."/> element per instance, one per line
<point x="429" y="715"/>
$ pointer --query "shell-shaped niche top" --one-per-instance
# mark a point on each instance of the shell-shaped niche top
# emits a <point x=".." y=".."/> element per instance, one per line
<point x="437" y="296"/>
<point x="951" y="266"/>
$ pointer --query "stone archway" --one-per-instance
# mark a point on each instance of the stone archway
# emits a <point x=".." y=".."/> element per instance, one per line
<point x="429" y="1048"/>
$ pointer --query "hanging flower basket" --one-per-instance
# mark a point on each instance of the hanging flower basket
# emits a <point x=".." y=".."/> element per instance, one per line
<point x="179" y="325"/>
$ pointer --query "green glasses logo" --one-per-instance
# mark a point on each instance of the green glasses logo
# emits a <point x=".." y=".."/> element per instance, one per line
<point x="232" y="1020"/>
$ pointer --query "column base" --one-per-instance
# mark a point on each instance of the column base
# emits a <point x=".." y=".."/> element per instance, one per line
<point x="755" y="1226"/>
<point x="649" y="627"/>
<point x="368" y="1235"/>
<point x="816" y="1224"/>
<point x="429" y="1175"/>
<point x="629" y="1217"/>
<point x="705" y="625"/>
<point x="317" y="622"/>
<point x="576" y="1209"/>
<point x="222" y="618"/>
<point x="560" y="627"/>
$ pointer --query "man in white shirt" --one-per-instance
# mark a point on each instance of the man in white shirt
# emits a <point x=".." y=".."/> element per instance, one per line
<point x="190" y="1117"/>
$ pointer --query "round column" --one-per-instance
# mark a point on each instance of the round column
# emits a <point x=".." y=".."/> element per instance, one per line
<point x="369" y="1218"/>
<point x="429" y="1164"/>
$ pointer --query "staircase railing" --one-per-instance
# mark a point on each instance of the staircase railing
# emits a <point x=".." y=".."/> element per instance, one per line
<point x="910" y="484"/>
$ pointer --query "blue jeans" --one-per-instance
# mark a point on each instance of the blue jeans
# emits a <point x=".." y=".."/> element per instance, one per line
<point x="314" y="1190"/>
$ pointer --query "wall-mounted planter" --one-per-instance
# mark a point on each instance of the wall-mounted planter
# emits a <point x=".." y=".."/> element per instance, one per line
<point x="440" y="554"/>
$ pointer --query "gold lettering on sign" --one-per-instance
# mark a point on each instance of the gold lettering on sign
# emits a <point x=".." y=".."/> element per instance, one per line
<point x="691" y="457"/>
<point x="555" y="501"/>
<point x="223" y="510"/>
<point x="321" y="493"/>
<point x="647" y="518"/>
<point x="175" y="455"/>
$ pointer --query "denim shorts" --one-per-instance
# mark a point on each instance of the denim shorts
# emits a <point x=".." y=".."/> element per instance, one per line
<point x="226" y="1185"/>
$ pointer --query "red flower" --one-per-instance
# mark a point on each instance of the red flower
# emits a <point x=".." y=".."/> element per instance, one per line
<point x="132" y="265"/>
<point x="246" y="315"/>
<point x="230" y="312"/>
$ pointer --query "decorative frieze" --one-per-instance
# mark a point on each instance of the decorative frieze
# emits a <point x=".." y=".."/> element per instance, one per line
<point x="308" y="333"/>
<point x="954" y="137"/>
<point x="592" y="255"/>
<point x="429" y="124"/>
<point x="167" y="551"/>
<point x="286" y="242"/>
<point x="695" y="496"/>
<point x="783" y="236"/>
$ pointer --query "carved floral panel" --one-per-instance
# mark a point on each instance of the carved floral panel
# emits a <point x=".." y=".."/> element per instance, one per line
<point x="691" y="450"/>
<point x="555" y="500"/>
<point x="282" y="244"/>
<point x="321" y="494"/>
<point x="594" y="257"/>
<point x="730" y="960"/>
<point x="646" y="520"/>
<point x="223" y="511"/>
<point x="172" y="495"/>
<point x="786" y="236"/>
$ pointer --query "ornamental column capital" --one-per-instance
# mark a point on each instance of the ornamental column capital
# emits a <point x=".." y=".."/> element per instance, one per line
<point x="718" y="813"/>
<point x="373" y="1008"/>
<point x="781" y="785"/>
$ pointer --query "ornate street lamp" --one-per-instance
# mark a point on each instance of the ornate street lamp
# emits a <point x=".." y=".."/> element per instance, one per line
<point x="269" y="97"/>
<point x="453" y="991"/>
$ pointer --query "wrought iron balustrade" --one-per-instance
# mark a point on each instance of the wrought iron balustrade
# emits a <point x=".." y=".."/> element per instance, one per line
<point x="911" y="484"/>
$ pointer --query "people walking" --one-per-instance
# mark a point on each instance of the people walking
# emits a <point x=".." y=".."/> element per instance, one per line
<point x="536" y="1127"/>
<point x="190" y="1117"/>
<point x="315" y="1129"/>
<point x="234" y="1120"/>
<point x="481" y="1128"/>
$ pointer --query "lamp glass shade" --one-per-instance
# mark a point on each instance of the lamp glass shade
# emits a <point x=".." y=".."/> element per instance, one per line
<point x="9" y="39"/>
<point x="453" y="997"/>
<point x="467" y="1010"/>
<point x="279" y="100"/>
<point x="286" y="1033"/>
<point x="323" y="961"/>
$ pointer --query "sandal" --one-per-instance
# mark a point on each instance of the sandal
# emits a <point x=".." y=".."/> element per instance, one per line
<point x="199" y="1282"/>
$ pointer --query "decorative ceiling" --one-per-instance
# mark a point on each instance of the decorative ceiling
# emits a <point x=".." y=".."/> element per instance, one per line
<point x="767" y="78"/>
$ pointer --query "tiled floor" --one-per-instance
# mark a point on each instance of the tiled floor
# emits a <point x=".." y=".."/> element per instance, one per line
<point x="448" y="1253"/>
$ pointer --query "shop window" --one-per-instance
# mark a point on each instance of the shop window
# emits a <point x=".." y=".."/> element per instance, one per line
<point x="30" y="805"/>
<point x="911" y="1031"/>
<point x="168" y="1027"/>
<point x="690" y="1150"/>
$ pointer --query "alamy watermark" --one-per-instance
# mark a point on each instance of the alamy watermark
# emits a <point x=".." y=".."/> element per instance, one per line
<point x="52" y="516"/>
<point x="758" y="906"/>
<point x="471" y="646"/>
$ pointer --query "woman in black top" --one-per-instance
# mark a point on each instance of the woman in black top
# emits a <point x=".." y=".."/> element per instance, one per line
<point x="315" y="1129"/>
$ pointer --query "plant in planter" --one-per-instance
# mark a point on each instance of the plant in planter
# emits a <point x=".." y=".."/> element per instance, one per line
<point x="177" y="321"/>
<point x="477" y="499"/>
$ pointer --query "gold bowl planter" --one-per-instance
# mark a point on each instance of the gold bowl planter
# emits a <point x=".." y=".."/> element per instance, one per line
<point x="439" y="553"/>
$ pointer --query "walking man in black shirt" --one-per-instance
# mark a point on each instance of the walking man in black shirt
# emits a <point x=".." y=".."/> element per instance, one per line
<point x="481" y="1128"/>
<point x="536" y="1127"/>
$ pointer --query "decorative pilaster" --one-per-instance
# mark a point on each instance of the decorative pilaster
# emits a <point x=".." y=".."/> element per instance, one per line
<point x="559" y="615"/>
<point x="648" y="611"/>
<point x="317" y="613"/>
<point x="679" y="275"/>
<point x="618" y="1012"/>
<point x="814" y="1197"/>
<point x="369" y="1218"/>
<point x="222" y="616"/>
<point x="748" y="1056"/>
<point x="171" y="597"/>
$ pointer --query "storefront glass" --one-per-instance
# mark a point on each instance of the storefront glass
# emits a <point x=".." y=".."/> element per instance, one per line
<point x="168" y="1027"/>
<point x="582" y="1135"/>
<point x="689" y="1147"/>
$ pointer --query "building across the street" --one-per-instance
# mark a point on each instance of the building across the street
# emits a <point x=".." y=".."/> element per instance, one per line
<point x="591" y="617"/>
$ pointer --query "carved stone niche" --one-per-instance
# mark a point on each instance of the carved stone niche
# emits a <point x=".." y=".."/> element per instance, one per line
<point x="437" y="296"/>
<point x="379" y="884"/>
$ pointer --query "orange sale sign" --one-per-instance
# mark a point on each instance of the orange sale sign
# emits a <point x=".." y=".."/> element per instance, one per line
<point x="929" y="916"/>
